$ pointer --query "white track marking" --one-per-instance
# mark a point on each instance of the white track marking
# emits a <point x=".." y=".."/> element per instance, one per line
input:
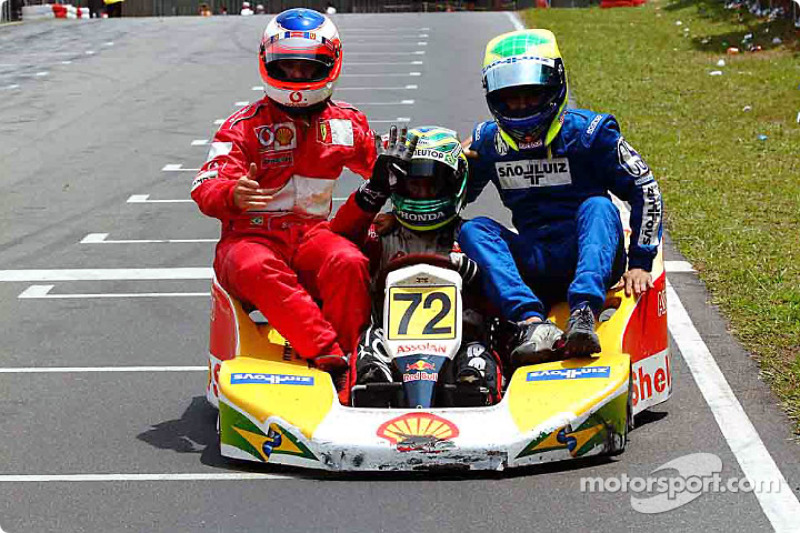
<point x="83" y="478"/>
<point x="101" y="238"/>
<point x="258" y="87"/>
<point x="145" y="199"/>
<point x="178" y="167"/>
<point x="401" y="102"/>
<point x="678" y="266"/>
<point x="104" y="274"/>
<point x="379" y="44"/>
<point x="42" y="292"/>
<point x="781" y="508"/>
<point x="109" y="43"/>
<point x="93" y="369"/>
<point x="200" y="142"/>
<point x="219" y="121"/>
<point x="518" y="25"/>
<point x="380" y="64"/>
<point x="398" y="119"/>
<point x="407" y="87"/>
<point x="66" y="62"/>
<point x="90" y="52"/>
<point x="12" y="86"/>
<point x="403" y="75"/>
<point x="245" y="102"/>
<point x="381" y="31"/>
<point x="42" y="74"/>
<point x="371" y="41"/>
<point x="416" y="53"/>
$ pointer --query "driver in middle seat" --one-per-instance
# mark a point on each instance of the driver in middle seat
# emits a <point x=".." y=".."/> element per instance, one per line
<point x="426" y="179"/>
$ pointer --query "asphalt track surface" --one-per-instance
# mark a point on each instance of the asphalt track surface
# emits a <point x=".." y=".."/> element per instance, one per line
<point x="82" y="132"/>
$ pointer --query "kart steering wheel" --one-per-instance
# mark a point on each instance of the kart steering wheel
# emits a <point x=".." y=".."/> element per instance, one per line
<point x="436" y="260"/>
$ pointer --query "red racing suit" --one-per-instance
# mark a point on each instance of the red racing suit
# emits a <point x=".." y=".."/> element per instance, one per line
<point x="283" y="259"/>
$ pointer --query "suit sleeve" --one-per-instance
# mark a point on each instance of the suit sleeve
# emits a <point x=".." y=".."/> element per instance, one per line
<point x="364" y="144"/>
<point x="479" y="174"/>
<point x="212" y="188"/>
<point x="352" y="222"/>
<point x="630" y="178"/>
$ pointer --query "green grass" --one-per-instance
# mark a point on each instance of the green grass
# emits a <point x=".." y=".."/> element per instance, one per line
<point x="732" y="201"/>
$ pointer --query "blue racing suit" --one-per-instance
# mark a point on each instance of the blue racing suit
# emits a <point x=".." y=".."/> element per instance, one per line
<point x="568" y="230"/>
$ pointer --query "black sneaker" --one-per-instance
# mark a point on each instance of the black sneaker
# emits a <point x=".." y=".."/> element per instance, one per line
<point x="372" y="359"/>
<point x="535" y="342"/>
<point x="580" y="338"/>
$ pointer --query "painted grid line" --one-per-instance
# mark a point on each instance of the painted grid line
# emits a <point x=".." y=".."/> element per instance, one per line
<point x="81" y="478"/>
<point x="782" y="507"/>
<point x="93" y="369"/>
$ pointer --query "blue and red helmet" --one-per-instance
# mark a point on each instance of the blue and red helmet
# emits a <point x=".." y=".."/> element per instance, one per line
<point x="304" y="35"/>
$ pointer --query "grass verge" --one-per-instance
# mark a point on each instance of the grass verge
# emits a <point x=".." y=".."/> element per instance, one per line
<point x="732" y="199"/>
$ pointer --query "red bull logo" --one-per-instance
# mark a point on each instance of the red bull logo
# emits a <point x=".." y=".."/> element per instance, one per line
<point x="421" y="366"/>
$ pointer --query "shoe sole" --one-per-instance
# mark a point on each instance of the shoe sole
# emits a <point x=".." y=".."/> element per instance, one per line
<point x="579" y="344"/>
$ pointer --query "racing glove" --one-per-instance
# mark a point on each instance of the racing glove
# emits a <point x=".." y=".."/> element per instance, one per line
<point x="392" y="162"/>
<point x="466" y="267"/>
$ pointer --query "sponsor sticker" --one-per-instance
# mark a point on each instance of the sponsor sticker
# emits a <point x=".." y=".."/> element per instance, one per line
<point x="630" y="160"/>
<point x="241" y="378"/>
<point x="420" y="376"/>
<point x="533" y="173"/>
<point x="593" y="124"/>
<point x="277" y="137"/>
<point x="285" y="136"/>
<point x="417" y="431"/>
<point x="285" y="160"/>
<point x="651" y="215"/>
<point x="336" y="131"/>
<point x="420" y="366"/>
<point x="422" y="347"/>
<point x="569" y="373"/>
<point x="500" y="144"/>
<point x="531" y="146"/>
<point x="205" y="176"/>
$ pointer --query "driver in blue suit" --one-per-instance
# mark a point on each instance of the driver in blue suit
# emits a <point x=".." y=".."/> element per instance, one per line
<point x="554" y="169"/>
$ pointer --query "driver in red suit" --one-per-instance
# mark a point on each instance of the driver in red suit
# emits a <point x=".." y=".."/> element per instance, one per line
<point x="269" y="179"/>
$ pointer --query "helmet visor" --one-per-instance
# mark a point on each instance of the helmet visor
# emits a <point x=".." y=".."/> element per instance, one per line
<point x="428" y="180"/>
<point x="522" y="102"/>
<point x="298" y="59"/>
<point x="517" y="71"/>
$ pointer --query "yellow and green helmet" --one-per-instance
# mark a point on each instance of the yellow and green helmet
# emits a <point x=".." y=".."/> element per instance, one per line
<point x="433" y="192"/>
<point x="526" y="84"/>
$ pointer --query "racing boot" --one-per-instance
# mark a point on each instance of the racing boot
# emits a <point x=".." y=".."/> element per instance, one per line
<point x="535" y="342"/>
<point x="477" y="373"/>
<point x="373" y="363"/>
<point x="580" y="339"/>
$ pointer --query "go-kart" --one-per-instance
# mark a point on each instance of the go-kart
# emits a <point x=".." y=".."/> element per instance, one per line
<point x="274" y="407"/>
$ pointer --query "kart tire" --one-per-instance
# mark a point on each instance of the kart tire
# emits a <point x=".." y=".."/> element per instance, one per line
<point x="617" y="449"/>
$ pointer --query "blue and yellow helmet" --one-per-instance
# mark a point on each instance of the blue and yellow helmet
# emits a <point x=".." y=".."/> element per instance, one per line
<point x="526" y="64"/>
<point x="433" y="192"/>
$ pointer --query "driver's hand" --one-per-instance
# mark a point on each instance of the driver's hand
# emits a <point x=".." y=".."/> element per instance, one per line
<point x="393" y="161"/>
<point x="248" y="194"/>
<point x="637" y="281"/>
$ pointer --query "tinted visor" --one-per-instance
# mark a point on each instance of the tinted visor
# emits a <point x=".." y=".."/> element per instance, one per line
<point x="428" y="180"/>
<point x="521" y="102"/>
<point x="518" y="71"/>
<point x="299" y="59"/>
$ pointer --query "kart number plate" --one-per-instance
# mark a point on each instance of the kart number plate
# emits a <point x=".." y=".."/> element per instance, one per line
<point x="417" y="313"/>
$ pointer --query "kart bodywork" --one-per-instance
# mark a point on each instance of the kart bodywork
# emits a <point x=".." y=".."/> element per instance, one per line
<point x="274" y="408"/>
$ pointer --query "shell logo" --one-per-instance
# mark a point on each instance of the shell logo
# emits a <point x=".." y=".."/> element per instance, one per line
<point x="402" y="428"/>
